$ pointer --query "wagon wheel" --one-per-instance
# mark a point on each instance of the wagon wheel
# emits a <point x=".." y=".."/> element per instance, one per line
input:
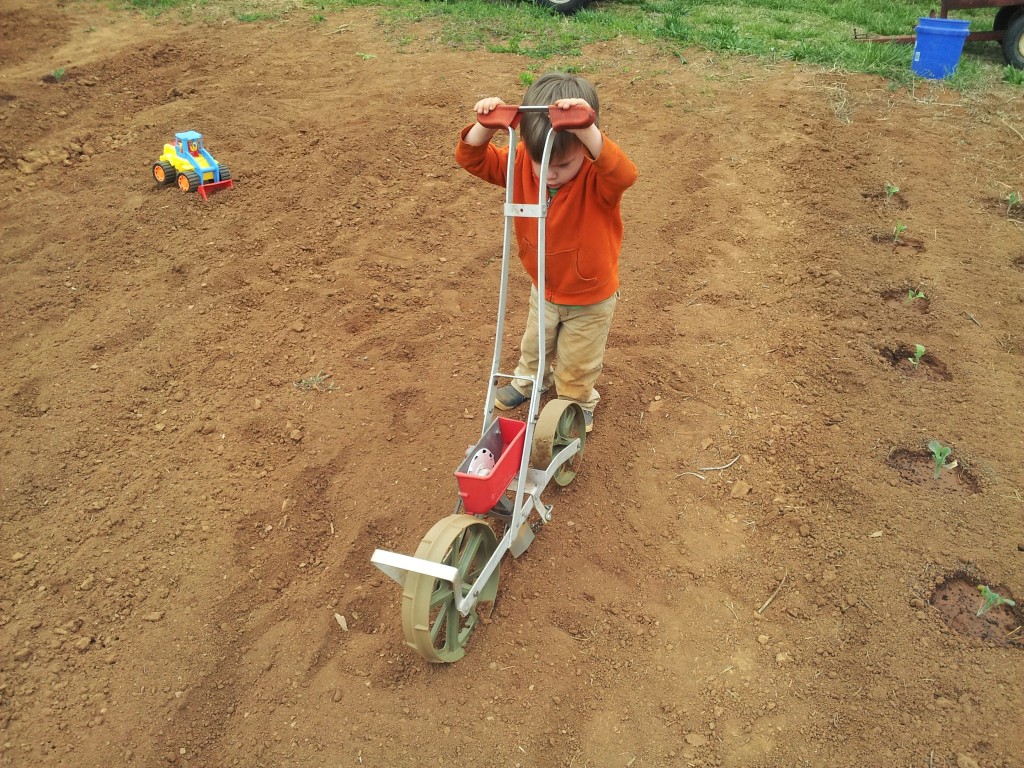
<point x="564" y="6"/>
<point x="163" y="172"/>
<point x="560" y="423"/>
<point x="189" y="181"/>
<point x="430" y="617"/>
<point x="1003" y="16"/>
<point x="1013" y="42"/>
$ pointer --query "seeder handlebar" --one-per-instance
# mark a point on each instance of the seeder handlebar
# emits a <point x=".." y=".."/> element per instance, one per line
<point x="508" y="116"/>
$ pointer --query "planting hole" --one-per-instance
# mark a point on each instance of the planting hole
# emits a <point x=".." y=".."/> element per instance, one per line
<point x="902" y="243"/>
<point x="907" y="298"/>
<point x="928" y="367"/>
<point x="918" y="467"/>
<point x="1019" y="262"/>
<point x="1002" y="207"/>
<point x="958" y="600"/>
<point x="895" y="201"/>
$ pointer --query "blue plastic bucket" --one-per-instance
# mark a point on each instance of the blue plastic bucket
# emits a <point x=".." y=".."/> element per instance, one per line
<point x="938" y="46"/>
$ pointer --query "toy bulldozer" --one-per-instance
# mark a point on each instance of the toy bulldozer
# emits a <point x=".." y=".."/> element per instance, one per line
<point x="189" y="164"/>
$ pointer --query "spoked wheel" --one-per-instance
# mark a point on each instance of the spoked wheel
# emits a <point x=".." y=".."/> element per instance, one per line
<point x="559" y="424"/>
<point x="430" y="617"/>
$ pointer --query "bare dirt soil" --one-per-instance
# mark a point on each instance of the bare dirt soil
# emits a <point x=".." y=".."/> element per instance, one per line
<point x="185" y="510"/>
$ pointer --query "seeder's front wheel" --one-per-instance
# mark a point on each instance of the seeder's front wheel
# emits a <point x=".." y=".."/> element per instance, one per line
<point x="430" y="616"/>
<point x="560" y="423"/>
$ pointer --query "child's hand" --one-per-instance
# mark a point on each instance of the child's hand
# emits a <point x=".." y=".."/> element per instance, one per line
<point x="478" y="134"/>
<point x="569" y="103"/>
<point x="485" y="106"/>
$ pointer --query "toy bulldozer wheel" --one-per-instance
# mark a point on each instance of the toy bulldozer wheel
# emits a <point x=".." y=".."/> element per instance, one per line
<point x="163" y="172"/>
<point x="188" y="181"/>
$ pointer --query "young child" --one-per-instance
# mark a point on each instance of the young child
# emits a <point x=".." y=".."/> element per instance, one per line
<point x="587" y="174"/>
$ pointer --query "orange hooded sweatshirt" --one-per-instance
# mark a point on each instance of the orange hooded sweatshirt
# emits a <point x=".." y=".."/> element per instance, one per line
<point x="584" y="224"/>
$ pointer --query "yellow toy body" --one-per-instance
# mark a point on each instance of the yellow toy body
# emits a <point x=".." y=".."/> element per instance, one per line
<point x="181" y="164"/>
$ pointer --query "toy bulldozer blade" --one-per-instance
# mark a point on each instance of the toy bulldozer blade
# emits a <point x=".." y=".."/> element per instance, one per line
<point x="205" y="190"/>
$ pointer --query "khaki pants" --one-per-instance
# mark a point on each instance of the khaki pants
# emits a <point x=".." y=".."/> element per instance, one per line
<point x="575" y="337"/>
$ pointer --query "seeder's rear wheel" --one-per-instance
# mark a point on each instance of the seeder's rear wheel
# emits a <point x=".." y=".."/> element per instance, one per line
<point x="560" y="423"/>
<point x="430" y="617"/>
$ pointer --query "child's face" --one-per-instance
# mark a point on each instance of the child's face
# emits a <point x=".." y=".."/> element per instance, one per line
<point x="562" y="170"/>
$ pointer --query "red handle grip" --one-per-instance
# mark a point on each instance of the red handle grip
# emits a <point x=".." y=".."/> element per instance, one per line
<point x="576" y="116"/>
<point x="502" y="116"/>
<point x="508" y="115"/>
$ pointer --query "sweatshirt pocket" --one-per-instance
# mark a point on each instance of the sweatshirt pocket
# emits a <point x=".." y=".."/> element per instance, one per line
<point x="565" y="274"/>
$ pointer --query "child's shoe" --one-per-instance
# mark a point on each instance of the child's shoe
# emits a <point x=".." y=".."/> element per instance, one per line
<point x="508" y="397"/>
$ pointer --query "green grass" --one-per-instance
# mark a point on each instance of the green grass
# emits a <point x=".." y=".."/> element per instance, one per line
<point x="245" y="11"/>
<point x="156" y="6"/>
<point x="819" y="32"/>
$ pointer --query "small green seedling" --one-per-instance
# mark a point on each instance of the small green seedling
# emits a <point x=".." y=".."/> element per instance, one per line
<point x="526" y="79"/>
<point x="57" y="75"/>
<point x="898" y="230"/>
<point x="318" y="382"/>
<point x="991" y="599"/>
<point x="1012" y="201"/>
<point x="366" y="56"/>
<point x="914" y="294"/>
<point x="891" y="190"/>
<point x="919" y="351"/>
<point x="940" y="453"/>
